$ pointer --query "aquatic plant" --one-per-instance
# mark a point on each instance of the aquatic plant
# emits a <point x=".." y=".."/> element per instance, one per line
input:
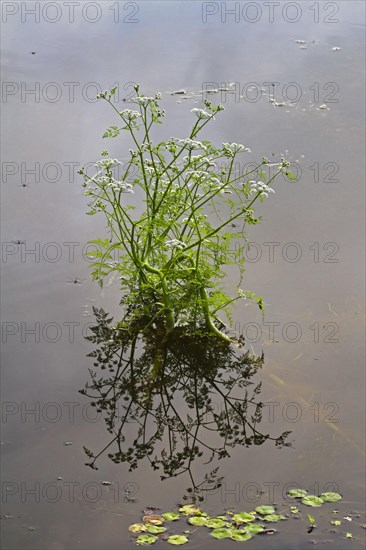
<point x="172" y="251"/>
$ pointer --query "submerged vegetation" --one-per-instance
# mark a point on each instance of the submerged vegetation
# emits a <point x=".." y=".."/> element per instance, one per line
<point x="172" y="251"/>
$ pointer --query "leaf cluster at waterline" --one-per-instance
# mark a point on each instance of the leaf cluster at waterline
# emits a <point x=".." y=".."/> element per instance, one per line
<point x="136" y="381"/>
<point x="237" y="526"/>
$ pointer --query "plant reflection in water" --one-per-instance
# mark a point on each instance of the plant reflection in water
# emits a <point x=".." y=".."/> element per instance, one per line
<point x="186" y="397"/>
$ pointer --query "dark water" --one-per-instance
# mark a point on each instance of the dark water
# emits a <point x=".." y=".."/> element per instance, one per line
<point x="307" y="259"/>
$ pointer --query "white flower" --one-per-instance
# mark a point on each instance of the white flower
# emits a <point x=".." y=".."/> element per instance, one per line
<point x="130" y="115"/>
<point x="231" y="149"/>
<point x="174" y="243"/>
<point x="105" y="164"/>
<point x="201" y="113"/>
<point x="190" y="143"/>
<point x="260" y="187"/>
<point x="120" y="186"/>
<point x="144" y="101"/>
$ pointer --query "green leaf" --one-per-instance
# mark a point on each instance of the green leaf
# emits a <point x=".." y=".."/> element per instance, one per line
<point x="143" y="540"/>
<point x="265" y="510"/>
<point x="274" y="517"/>
<point x="253" y="528"/>
<point x="177" y="539"/>
<point x="336" y="522"/>
<point x="240" y="536"/>
<point x="349" y="536"/>
<point x="312" y="500"/>
<point x="331" y="497"/>
<point x="221" y="533"/>
<point x="137" y="528"/>
<point x="155" y="529"/>
<point x="190" y="510"/>
<point x="311" y="519"/>
<point x="297" y="493"/>
<point x="170" y="516"/>
<point x="215" y="523"/>
<point x="197" y="520"/>
<point x="243" y="517"/>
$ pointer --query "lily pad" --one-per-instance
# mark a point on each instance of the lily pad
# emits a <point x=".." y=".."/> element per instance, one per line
<point x="243" y="517"/>
<point x="221" y="533"/>
<point x="331" y="497"/>
<point x="336" y="522"/>
<point x="273" y="517"/>
<point x="170" y="516"/>
<point x="312" y="500"/>
<point x="137" y="528"/>
<point x="240" y="535"/>
<point x="297" y="493"/>
<point x="154" y="519"/>
<point x="265" y="510"/>
<point x="177" y="539"/>
<point x="155" y="529"/>
<point x="253" y="528"/>
<point x="214" y="523"/>
<point x="143" y="540"/>
<point x="197" y="520"/>
<point x="190" y="510"/>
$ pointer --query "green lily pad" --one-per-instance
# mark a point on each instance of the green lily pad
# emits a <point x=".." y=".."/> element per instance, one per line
<point x="155" y="529"/>
<point x="221" y="533"/>
<point x="137" y="528"/>
<point x="265" y="510"/>
<point x="190" y="510"/>
<point x="253" y="528"/>
<point x="170" y="516"/>
<point x="177" y="539"/>
<point x="273" y="517"/>
<point x="197" y="520"/>
<point x="297" y="493"/>
<point x="336" y="522"/>
<point x="214" y="523"/>
<point x="240" y="535"/>
<point x="331" y="497"/>
<point x="143" y="540"/>
<point x="243" y="517"/>
<point x="312" y="500"/>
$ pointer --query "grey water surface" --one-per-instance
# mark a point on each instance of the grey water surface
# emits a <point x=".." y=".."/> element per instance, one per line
<point x="306" y="257"/>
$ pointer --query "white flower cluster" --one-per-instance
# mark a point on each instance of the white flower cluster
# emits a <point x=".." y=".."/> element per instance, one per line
<point x="105" y="164"/>
<point x="174" y="243"/>
<point x="201" y="113"/>
<point x="232" y="148"/>
<point x="121" y="186"/>
<point x="190" y="143"/>
<point x="144" y="101"/>
<point x="260" y="187"/>
<point x="129" y="114"/>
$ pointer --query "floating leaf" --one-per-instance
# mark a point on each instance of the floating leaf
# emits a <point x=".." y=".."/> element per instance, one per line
<point x="221" y="533"/>
<point x="240" y="535"/>
<point x="349" y="536"/>
<point x="336" y="522"/>
<point x="177" y="539"/>
<point x="265" y="510"/>
<point x="197" y="520"/>
<point x="297" y="493"/>
<point x="154" y="519"/>
<point x="311" y="519"/>
<point x="243" y="517"/>
<point x="253" y="528"/>
<point x="312" y="500"/>
<point x="137" y="528"/>
<point x="294" y="510"/>
<point x="214" y="523"/>
<point x="170" y="516"/>
<point x="146" y="539"/>
<point x="273" y="517"/>
<point x="155" y="529"/>
<point x="190" y="510"/>
<point x="331" y="497"/>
